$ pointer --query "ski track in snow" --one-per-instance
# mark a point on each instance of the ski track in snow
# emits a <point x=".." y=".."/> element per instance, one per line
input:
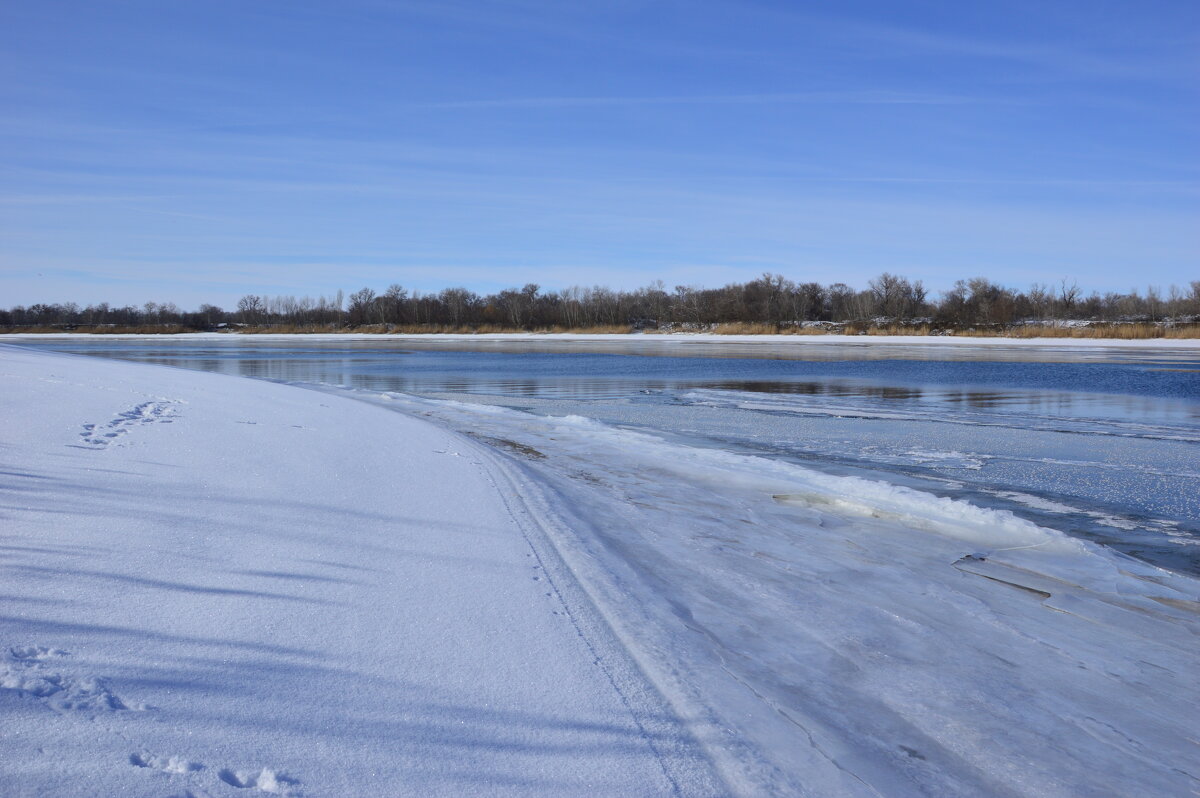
<point x="528" y="510"/>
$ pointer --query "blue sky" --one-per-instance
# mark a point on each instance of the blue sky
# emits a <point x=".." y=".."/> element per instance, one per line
<point x="195" y="151"/>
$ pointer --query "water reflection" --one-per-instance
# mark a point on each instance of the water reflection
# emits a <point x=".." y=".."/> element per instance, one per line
<point x="1041" y="403"/>
<point x="824" y="388"/>
<point x="1092" y="386"/>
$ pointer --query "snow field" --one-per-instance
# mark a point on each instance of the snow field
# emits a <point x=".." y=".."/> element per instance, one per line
<point x="220" y="587"/>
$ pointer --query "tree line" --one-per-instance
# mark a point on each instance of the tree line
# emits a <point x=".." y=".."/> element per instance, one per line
<point x="771" y="300"/>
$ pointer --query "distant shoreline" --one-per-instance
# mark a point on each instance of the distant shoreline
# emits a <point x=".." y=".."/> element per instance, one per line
<point x="912" y="329"/>
<point x="705" y="337"/>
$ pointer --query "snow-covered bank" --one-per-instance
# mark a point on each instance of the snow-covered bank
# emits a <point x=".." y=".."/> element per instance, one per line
<point x="216" y="586"/>
<point x="651" y="338"/>
<point x="838" y="636"/>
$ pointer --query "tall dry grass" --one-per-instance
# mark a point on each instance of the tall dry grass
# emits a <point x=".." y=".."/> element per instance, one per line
<point x="1122" y="332"/>
<point x="763" y="328"/>
<point x="760" y="328"/>
<point x="374" y="329"/>
<point x="434" y="329"/>
<point x="744" y="328"/>
<point x="1109" y="331"/>
<point x="289" y="329"/>
<point x="895" y="329"/>
<point x="132" y="329"/>
<point x="597" y="329"/>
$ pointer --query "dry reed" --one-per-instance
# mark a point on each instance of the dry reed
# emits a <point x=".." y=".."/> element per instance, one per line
<point x="1123" y="332"/>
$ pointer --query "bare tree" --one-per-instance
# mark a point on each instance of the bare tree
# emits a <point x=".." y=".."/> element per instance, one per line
<point x="360" y="305"/>
<point x="1068" y="295"/>
<point x="252" y="307"/>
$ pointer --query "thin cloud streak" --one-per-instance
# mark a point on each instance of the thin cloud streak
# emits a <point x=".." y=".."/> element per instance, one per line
<point x="1048" y="55"/>
<point x="815" y="98"/>
<point x="1152" y="57"/>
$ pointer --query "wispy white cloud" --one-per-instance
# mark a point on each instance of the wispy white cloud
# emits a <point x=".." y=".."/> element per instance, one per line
<point x="1047" y="55"/>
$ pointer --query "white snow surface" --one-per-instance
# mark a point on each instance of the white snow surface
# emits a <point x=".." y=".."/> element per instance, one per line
<point x="215" y="586"/>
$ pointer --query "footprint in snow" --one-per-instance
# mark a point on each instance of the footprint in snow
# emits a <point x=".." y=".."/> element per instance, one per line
<point x="167" y="764"/>
<point x="28" y="653"/>
<point x="100" y="436"/>
<point x="265" y="780"/>
<point x="35" y="671"/>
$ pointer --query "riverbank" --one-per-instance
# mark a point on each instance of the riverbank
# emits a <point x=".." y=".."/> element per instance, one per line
<point x="1126" y="328"/>
<point x="643" y="338"/>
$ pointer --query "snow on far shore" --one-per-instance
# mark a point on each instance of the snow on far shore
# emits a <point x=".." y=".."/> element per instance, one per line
<point x="222" y="587"/>
<point x="711" y="338"/>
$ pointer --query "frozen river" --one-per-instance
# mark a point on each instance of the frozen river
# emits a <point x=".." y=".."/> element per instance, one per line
<point x="1096" y="442"/>
<point x="842" y="564"/>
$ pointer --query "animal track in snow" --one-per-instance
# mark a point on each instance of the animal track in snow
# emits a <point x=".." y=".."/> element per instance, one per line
<point x="265" y="780"/>
<point x="30" y="653"/>
<point x="30" y="670"/>
<point x="167" y="764"/>
<point x="101" y="436"/>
